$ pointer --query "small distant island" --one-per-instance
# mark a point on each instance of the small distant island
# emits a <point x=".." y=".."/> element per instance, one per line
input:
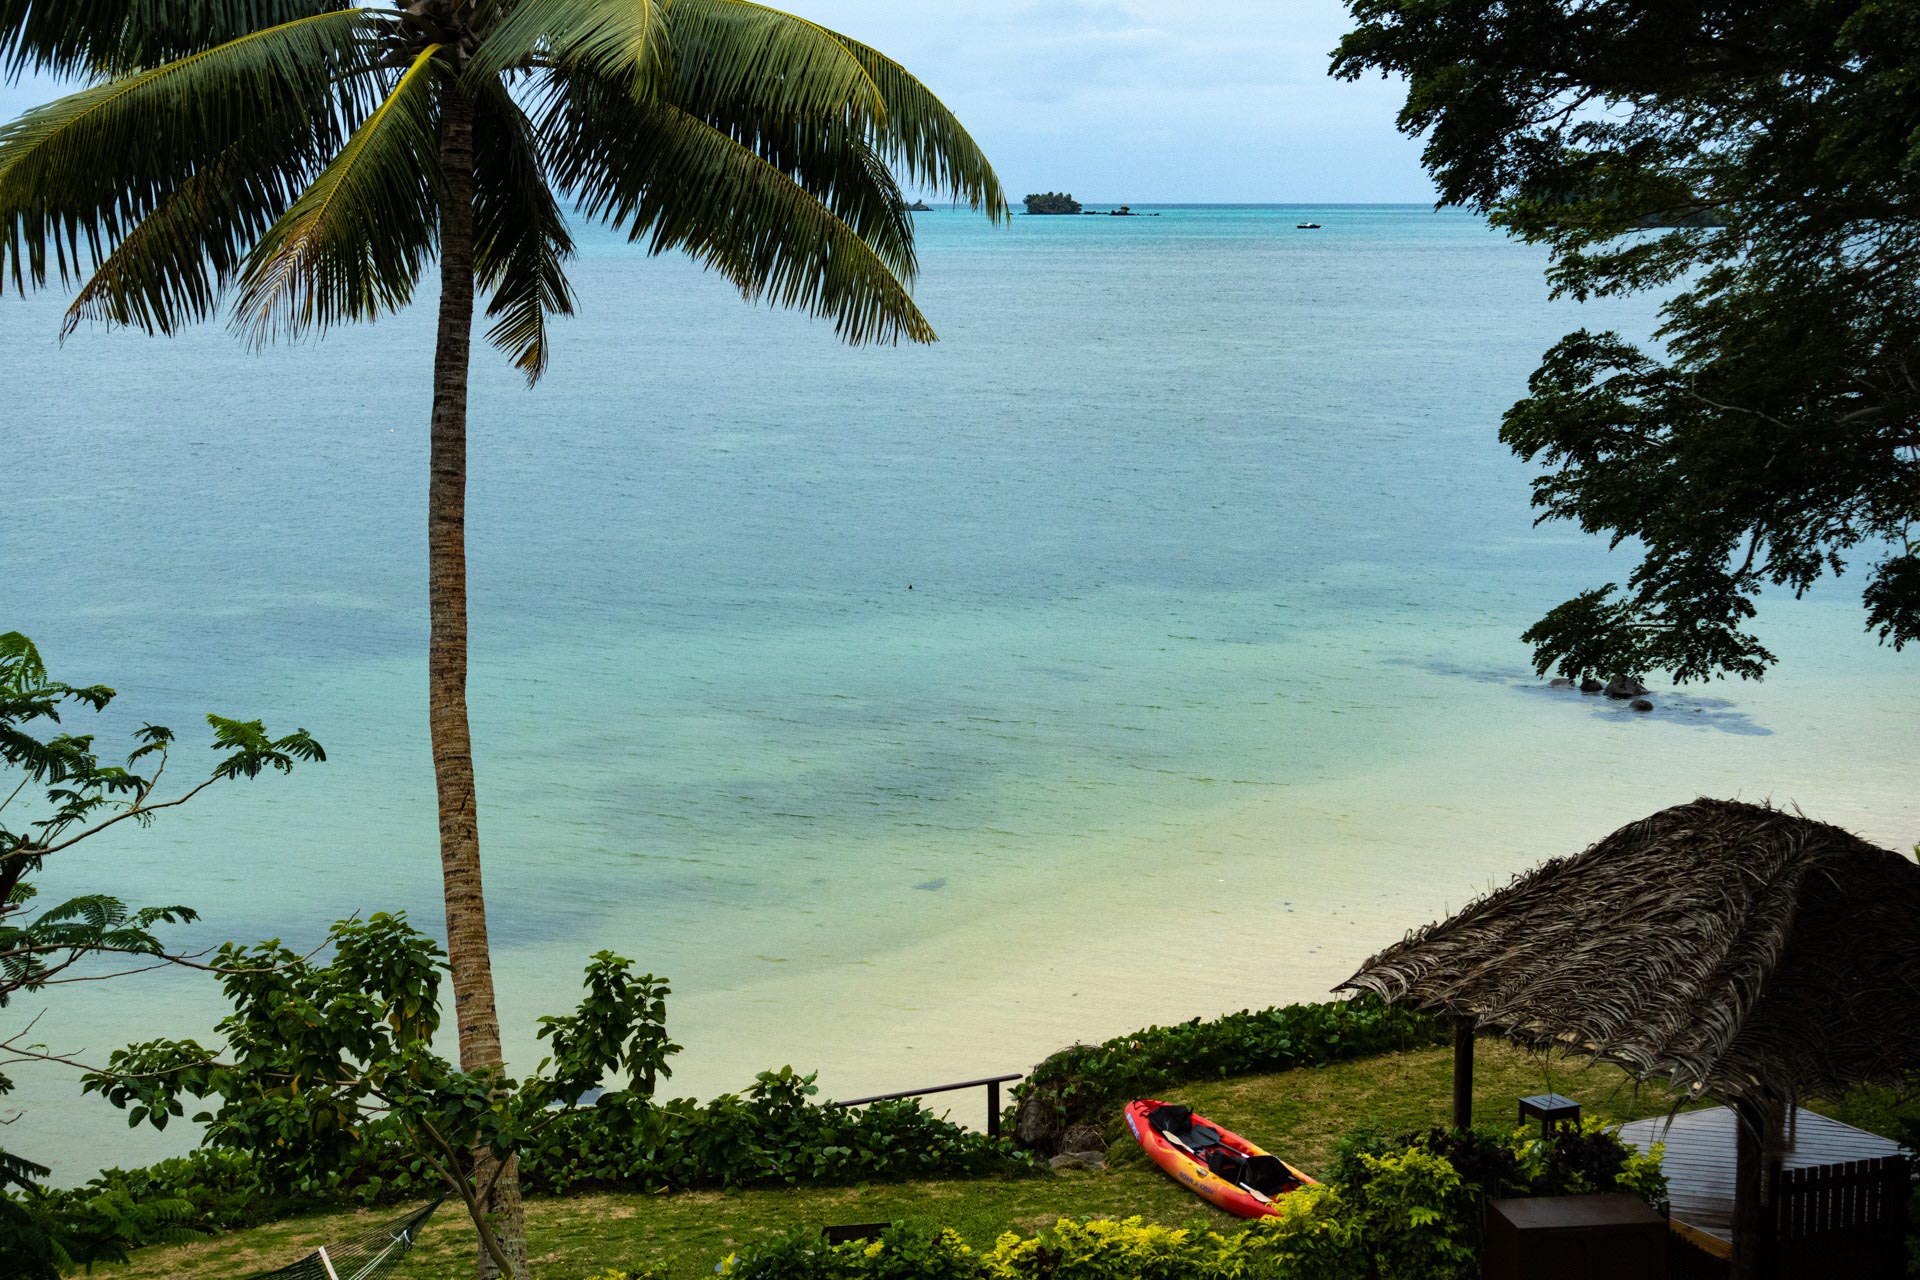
<point x="1052" y="202"/>
<point x="919" y="206"/>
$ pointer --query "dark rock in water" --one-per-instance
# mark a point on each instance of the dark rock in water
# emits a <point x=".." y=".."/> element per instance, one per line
<point x="1641" y="704"/>
<point x="1590" y="685"/>
<point x="1625" y="687"/>
<point x="1560" y="682"/>
<point x="932" y="886"/>
<point x="1093" y="1160"/>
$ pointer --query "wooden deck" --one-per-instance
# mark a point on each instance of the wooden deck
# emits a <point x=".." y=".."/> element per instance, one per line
<point x="1700" y="1155"/>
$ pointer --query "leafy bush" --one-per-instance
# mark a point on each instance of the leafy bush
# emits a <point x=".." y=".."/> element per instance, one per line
<point x="1417" y="1216"/>
<point x="1519" y="1162"/>
<point x="1491" y="1165"/>
<point x="1315" y="1237"/>
<point x="774" y="1135"/>
<point x="1102" y="1250"/>
<point x="1088" y="1084"/>
<point x="44" y="1234"/>
<point x="1410" y="1221"/>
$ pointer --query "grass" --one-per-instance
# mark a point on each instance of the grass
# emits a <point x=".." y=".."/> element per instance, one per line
<point x="1301" y="1115"/>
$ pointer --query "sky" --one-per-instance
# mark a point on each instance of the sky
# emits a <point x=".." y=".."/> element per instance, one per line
<point x="1215" y="101"/>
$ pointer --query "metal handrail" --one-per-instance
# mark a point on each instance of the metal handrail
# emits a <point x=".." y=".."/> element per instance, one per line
<point x="990" y="1083"/>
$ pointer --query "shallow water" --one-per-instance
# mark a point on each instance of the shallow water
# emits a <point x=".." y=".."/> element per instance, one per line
<point x="1147" y="648"/>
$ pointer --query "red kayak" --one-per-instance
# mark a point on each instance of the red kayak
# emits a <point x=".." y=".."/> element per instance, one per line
<point x="1215" y="1165"/>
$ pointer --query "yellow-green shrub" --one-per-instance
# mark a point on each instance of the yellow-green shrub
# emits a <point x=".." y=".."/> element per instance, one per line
<point x="1314" y="1237"/>
<point x="1099" y="1250"/>
<point x="1417" y="1216"/>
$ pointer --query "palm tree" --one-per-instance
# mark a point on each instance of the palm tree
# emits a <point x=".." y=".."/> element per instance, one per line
<point x="307" y="158"/>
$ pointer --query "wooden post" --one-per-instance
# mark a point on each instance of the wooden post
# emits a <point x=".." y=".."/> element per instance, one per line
<point x="1756" y="1155"/>
<point x="1463" y="1072"/>
<point x="993" y="1108"/>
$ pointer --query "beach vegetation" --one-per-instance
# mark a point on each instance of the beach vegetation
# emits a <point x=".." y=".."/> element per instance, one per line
<point x="1086" y="1086"/>
<point x="57" y="793"/>
<point x="1767" y="438"/>
<point x="328" y="1089"/>
<point x="1308" y="1115"/>
<point x="306" y="160"/>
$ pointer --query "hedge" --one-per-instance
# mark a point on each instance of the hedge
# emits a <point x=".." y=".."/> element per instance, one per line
<point x="1086" y="1086"/>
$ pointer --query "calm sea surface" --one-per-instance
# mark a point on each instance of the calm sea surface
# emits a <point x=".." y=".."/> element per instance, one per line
<point x="1146" y="648"/>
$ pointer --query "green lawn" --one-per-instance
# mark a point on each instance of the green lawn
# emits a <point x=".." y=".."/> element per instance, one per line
<point x="1299" y="1114"/>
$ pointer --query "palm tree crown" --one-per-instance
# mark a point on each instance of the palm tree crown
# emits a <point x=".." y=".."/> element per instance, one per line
<point x="286" y="153"/>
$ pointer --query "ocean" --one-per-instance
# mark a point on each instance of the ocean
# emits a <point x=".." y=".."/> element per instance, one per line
<point x="1145" y="649"/>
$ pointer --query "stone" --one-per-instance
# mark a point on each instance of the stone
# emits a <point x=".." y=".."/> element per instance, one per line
<point x="1625" y="687"/>
<point x="1560" y="682"/>
<point x="1092" y="1160"/>
<point x="1641" y="704"/>
<point x="1085" y="1137"/>
<point x="1590" y="685"/>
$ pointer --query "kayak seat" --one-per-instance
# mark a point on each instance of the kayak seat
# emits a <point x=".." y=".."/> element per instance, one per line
<point x="1268" y="1176"/>
<point x="1171" y="1118"/>
<point x="1223" y="1162"/>
<point x="1177" y="1122"/>
<point x="1264" y="1174"/>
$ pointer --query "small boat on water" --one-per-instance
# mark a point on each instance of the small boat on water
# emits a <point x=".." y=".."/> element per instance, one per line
<point x="1306" y="226"/>
<point x="1220" y="1167"/>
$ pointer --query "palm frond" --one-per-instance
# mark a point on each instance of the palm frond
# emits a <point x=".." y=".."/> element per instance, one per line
<point x="172" y="268"/>
<point x="521" y="244"/>
<point x="353" y="244"/>
<point x="925" y="139"/>
<point x="89" y="167"/>
<point x="626" y="39"/>
<point x="675" y="181"/>
<point x="89" y="38"/>
<point x="730" y="53"/>
<point x="908" y="125"/>
<point x="836" y="163"/>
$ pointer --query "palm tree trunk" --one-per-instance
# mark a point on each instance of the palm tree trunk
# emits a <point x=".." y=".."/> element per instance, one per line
<point x="467" y="953"/>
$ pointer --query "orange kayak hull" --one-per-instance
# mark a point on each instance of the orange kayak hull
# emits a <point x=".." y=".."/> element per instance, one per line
<point x="1192" y="1173"/>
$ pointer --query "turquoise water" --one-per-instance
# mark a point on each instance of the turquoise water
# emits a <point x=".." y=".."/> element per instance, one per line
<point x="1146" y="648"/>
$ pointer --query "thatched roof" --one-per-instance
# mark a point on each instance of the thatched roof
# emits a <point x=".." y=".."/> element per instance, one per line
<point x="1733" y="948"/>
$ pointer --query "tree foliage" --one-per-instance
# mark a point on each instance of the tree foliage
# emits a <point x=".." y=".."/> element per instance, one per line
<point x="323" y="1058"/>
<point x="1761" y="163"/>
<point x="55" y="793"/>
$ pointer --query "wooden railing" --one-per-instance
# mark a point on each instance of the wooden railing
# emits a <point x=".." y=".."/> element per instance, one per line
<point x="1833" y="1220"/>
<point x="990" y="1083"/>
<point x="1843" y="1219"/>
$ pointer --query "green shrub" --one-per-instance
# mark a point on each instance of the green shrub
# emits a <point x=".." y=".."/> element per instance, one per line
<point x="1101" y="1250"/>
<point x="1406" y="1224"/>
<point x="776" y="1134"/>
<point x="1519" y="1162"/>
<point x="905" y="1251"/>
<point x="1315" y="1237"/>
<point x="1089" y="1084"/>
<point x="1417" y="1216"/>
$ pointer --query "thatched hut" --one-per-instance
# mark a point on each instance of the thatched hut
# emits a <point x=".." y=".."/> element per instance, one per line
<point x="1742" y="953"/>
